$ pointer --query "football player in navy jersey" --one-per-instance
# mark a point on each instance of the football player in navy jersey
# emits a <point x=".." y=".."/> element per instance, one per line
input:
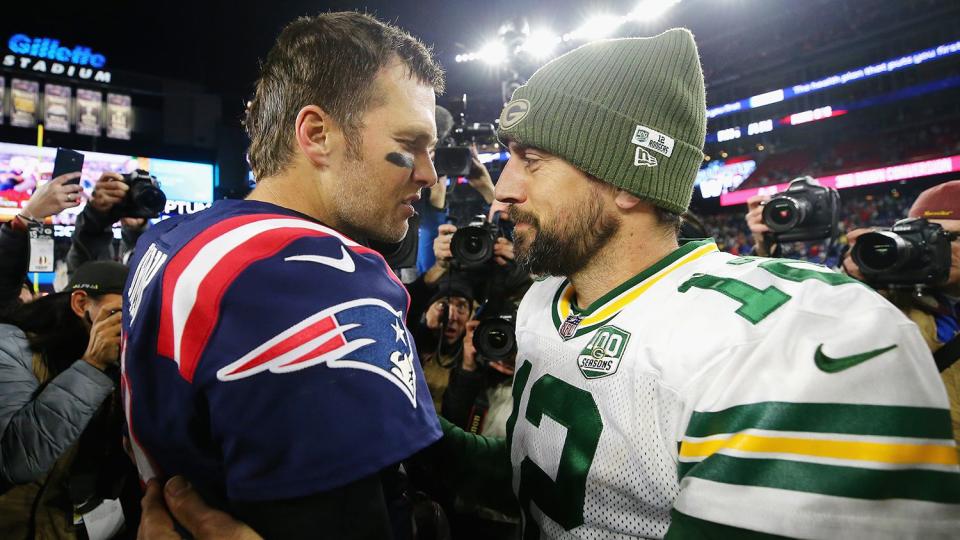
<point x="265" y="352"/>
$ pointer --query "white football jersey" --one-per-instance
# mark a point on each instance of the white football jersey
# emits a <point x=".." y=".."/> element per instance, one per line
<point x="714" y="391"/>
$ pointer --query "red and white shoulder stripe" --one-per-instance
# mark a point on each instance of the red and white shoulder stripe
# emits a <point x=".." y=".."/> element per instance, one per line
<point x="197" y="277"/>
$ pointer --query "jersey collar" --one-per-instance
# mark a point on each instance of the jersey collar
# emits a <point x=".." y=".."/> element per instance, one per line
<point x="609" y="305"/>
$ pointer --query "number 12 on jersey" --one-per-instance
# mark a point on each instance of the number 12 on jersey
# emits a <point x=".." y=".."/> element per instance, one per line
<point x="561" y="499"/>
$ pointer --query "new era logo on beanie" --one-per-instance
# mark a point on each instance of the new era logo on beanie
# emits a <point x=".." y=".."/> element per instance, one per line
<point x="631" y="112"/>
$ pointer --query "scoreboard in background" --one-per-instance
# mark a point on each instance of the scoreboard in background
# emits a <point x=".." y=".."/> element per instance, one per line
<point x="719" y="177"/>
<point x="187" y="185"/>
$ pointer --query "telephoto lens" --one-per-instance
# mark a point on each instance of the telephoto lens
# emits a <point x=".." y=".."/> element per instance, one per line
<point x="913" y="252"/>
<point x="881" y="251"/>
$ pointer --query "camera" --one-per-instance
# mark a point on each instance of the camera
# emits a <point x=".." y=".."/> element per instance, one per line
<point x="472" y="246"/>
<point x="454" y="158"/>
<point x="805" y="211"/>
<point x="144" y="198"/>
<point x="912" y="252"/>
<point x="495" y="337"/>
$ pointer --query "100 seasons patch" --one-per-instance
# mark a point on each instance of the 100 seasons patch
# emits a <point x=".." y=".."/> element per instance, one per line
<point x="601" y="357"/>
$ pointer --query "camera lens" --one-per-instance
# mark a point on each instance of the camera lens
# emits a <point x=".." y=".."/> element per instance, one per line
<point x="784" y="213"/>
<point x="883" y="251"/>
<point x="497" y="338"/>
<point x="151" y="200"/>
<point x="472" y="246"/>
<point x="494" y="339"/>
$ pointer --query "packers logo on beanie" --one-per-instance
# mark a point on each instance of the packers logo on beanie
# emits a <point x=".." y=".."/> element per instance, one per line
<point x="631" y="112"/>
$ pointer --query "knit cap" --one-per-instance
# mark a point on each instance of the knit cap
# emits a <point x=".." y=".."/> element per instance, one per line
<point x="939" y="202"/>
<point x="630" y="112"/>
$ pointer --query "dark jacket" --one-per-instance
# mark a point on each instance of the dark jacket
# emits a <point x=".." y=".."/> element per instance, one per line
<point x="14" y="261"/>
<point x="38" y="425"/>
<point x="93" y="239"/>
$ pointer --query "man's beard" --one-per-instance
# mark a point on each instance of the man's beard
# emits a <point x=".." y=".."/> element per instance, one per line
<point x="567" y="247"/>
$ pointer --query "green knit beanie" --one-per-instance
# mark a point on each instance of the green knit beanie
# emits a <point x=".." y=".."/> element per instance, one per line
<point x="631" y="112"/>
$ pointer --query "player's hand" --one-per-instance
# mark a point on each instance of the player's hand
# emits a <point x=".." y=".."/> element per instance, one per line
<point x="103" y="349"/>
<point x="178" y="500"/>
<point x="503" y="251"/>
<point x="849" y="266"/>
<point x="54" y="197"/>
<point x="109" y="190"/>
<point x="441" y="245"/>
<point x="469" y="362"/>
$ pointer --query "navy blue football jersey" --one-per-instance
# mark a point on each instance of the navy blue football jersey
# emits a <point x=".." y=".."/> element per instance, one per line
<point x="266" y="356"/>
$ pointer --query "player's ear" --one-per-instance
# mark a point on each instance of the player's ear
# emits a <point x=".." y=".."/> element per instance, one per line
<point x="625" y="200"/>
<point x="317" y="135"/>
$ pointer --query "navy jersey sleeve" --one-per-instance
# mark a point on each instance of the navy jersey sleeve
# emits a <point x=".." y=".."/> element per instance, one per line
<point x="304" y="363"/>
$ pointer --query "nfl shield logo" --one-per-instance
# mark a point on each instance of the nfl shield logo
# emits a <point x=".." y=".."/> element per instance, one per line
<point x="569" y="326"/>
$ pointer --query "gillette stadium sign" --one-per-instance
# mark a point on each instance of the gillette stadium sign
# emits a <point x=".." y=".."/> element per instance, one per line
<point x="47" y="55"/>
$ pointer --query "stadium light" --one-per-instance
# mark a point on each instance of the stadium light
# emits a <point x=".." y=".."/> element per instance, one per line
<point x="540" y="43"/>
<point x="648" y="10"/>
<point x="493" y="53"/>
<point x="598" y="27"/>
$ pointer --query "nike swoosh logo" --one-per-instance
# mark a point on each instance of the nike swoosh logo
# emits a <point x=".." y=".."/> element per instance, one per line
<point x="344" y="263"/>
<point x="833" y="365"/>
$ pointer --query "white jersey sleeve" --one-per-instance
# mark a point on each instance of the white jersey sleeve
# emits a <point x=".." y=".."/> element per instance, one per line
<point x="827" y="426"/>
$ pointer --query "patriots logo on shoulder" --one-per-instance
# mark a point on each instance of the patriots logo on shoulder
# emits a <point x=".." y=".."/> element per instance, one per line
<point x="365" y="334"/>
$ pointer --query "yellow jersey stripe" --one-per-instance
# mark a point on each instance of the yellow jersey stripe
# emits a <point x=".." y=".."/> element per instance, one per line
<point x="933" y="454"/>
<point x="621" y="301"/>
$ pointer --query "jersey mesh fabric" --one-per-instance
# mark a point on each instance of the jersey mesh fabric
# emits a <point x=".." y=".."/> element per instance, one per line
<point x="632" y="482"/>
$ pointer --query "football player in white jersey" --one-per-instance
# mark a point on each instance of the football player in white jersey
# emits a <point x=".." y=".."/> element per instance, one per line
<point x="681" y="391"/>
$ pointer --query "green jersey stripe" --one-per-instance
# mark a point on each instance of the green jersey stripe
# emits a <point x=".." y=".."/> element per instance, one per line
<point x="683" y="526"/>
<point x="839" y="481"/>
<point x="852" y="419"/>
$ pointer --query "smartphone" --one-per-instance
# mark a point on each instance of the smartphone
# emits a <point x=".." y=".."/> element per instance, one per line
<point x="67" y="161"/>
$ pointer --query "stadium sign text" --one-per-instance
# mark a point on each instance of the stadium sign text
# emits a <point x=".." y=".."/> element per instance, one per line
<point x="46" y="55"/>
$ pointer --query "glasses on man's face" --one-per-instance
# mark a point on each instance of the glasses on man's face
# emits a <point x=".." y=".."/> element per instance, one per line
<point x="460" y="306"/>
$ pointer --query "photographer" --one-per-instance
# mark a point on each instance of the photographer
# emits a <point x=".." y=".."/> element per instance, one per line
<point x="60" y="419"/>
<point x="93" y="235"/>
<point x="439" y="333"/>
<point x="936" y="308"/>
<point x="478" y="397"/>
<point x="51" y="198"/>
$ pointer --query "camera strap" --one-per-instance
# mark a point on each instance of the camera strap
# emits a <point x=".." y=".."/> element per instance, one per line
<point x="948" y="354"/>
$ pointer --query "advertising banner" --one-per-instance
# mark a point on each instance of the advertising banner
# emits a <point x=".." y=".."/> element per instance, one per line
<point x="56" y="107"/>
<point x="119" y="116"/>
<point x="25" y="97"/>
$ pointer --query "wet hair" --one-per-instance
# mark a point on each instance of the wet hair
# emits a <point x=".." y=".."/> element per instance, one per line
<point x="330" y="60"/>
